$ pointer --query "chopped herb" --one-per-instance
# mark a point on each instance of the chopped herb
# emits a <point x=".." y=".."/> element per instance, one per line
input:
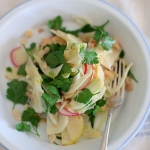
<point x="30" y="116"/>
<point x="84" y="96"/>
<point x="62" y="83"/>
<point x="89" y="57"/>
<point x="107" y="43"/>
<point x="103" y="25"/>
<point x="51" y="90"/>
<point x="21" y="70"/>
<point x="54" y="109"/>
<point x="55" y="23"/>
<point x="122" y="54"/>
<point x="9" y="69"/>
<point x="16" y="92"/>
<point x="99" y="34"/>
<point x="50" y="102"/>
<point x="55" y="143"/>
<point x="74" y="32"/>
<point x="130" y="74"/>
<point x="45" y="78"/>
<point x="87" y="28"/>
<point x="59" y="138"/>
<point x="65" y="69"/>
<point x="23" y="127"/>
<point x="97" y="108"/>
<point x="30" y="49"/>
<point x="56" y="55"/>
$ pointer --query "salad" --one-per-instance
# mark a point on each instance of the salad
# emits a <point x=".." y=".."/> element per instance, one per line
<point x="64" y="81"/>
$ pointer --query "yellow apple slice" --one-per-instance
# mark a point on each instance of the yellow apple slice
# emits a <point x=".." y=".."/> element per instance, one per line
<point x="66" y="138"/>
<point x="73" y="131"/>
<point x="75" y="127"/>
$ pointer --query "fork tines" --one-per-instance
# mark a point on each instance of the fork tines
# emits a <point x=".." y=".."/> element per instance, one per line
<point x="119" y="68"/>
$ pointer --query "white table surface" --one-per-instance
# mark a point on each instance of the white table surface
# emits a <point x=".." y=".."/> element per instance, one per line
<point x="144" y="141"/>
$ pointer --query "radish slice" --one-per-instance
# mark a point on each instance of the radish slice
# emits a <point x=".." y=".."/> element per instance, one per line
<point x="85" y="68"/>
<point x="70" y="110"/>
<point x="65" y="112"/>
<point x="18" y="56"/>
<point x="88" y="79"/>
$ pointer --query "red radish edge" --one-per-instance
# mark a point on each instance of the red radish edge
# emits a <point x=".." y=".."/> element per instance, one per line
<point x="65" y="112"/>
<point x="11" y="56"/>
<point x="88" y="79"/>
<point x="71" y="111"/>
<point x="85" y="68"/>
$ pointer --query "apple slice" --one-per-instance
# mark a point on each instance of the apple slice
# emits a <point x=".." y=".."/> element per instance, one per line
<point x="75" y="127"/>
<point x="73" y="131"/>
<point x="18" y="56"/>
<point x="65" y="112"/>
<point x="88" y="79"/>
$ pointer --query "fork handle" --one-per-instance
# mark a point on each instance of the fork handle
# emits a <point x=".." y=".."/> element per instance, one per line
<point x="106" y="131"/>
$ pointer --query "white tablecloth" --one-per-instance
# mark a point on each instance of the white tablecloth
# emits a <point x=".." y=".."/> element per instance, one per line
<point x="138" y="11"/>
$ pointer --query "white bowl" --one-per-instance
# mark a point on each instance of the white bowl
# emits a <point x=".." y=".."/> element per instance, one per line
<point x="127" y="118"/>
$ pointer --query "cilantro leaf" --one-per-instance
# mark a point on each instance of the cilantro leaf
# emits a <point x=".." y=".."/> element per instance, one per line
<point x="56" y="55"/>
<point x="89" y="57"/>
<point x="9" y="69"/>
<point x="84" y="96"/>
<point x="62" y="83"/>
<point x="87" y="28"/>
<point x="91" y="117"/>
<point x="74" y="32"/>
<point x="122" y="54"/>
<point x="92" y="112"/>
<point x="130" y="74"/>
<point x="65" y="69"/>
<point x="51" y="90"/>
<point x="16" y="92"/>
<point x="102" y="35"/>
<point x="55" y="23"/>
<point x="45" y="78"/>
<point x="59" y="137"/>
<point x="35" y="120"/>
<point x="98" y="105"/>
<point x="23" y="127"/>
<point x="55" y="58"/>
<point x="31" y="116"/>
<point x="30" y="49"/>
<point x="107" y="43"/>
<point x="54" y="109"/>
<point x="21" y="70"/>
<point x="49" y="101"/>
<point x="103" y="25"/>
<point x="99" y="34"/>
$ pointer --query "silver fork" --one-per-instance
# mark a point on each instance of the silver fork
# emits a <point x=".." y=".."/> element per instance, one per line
<point x="115" y="100"/>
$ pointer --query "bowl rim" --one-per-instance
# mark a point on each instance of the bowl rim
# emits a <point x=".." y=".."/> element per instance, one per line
<point x="144" y="41"/>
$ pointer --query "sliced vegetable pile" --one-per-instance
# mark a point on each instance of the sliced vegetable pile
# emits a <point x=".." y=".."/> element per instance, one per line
<point x="64" y="81"/>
